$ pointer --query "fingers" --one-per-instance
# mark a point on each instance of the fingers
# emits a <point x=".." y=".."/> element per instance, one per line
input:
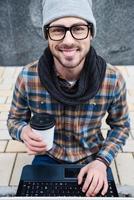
<point x="81" y="174"/>
<point x="87" y="182"/>
<point x="96" y="179"/>
<point x="28" y="134"/>
<point x="93" y="191"/>
<point x="91" y="187"/>
<point x="34" y="143"/>
<point x="96" y="186"/>
<point x="105" y="187"/>
<point x="38" y="148"/>
<point x="34" y="136"/>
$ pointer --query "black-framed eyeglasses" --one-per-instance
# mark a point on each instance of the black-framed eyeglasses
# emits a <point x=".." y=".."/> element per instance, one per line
<point x="78" y="32"/>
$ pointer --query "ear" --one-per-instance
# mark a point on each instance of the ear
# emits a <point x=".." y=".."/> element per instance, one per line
<point x="91" y="37"/>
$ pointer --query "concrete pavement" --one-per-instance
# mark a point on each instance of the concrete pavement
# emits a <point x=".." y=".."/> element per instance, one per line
<point x="13" y="154"/>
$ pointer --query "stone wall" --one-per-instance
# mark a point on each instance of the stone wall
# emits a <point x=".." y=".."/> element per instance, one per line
<point x="21" y="40"/>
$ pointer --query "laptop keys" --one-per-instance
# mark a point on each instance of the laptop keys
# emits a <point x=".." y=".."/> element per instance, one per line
<point x="51" y="189"/>
<point x="56" y="189"/>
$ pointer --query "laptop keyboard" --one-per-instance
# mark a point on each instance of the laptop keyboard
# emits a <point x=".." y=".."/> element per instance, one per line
<point x="57" y="189"/>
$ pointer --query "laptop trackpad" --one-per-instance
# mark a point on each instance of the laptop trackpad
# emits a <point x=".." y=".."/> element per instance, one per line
<point x="71" y="172"/>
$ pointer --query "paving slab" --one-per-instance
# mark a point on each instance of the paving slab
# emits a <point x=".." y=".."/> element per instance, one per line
<point x="6" y="164"/>
<point x="9" y="100"/>
<point x="4" y="107"/>
<point x="5" y="93"/>
<point x="125" y="168"/>
<point x="132" y="132"/>
<point x="129" y="147"/>
<point x="1" y="71"/>
<point x="4" y="135"/>
<point x="15" y="146"/>
<point x="3" y="116"/>
<point x="129" y="98"/>
<point x="3" y="124"/>
<point x="130" y="83"/>
<point x="3" y="145"/>
<point x="8" y="72"/>
<point x="130" y="70"/>
<point x="131" y="92"/>
<point x="3" y="100"/>
<point x="22" y="160"/>
<point x="131" y="114"/>
<point x="131" y="107"/>
<point x="6" y="86"/>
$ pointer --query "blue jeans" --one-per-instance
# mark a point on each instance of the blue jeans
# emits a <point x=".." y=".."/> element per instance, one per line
<point x="44" y="159"/>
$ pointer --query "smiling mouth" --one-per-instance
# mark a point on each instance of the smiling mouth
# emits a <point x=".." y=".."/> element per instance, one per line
<point x="68" y="50"/>
<point x="69" y="53"/>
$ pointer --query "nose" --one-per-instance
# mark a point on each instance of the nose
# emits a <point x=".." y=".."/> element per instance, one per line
<point x="68" y="37"/>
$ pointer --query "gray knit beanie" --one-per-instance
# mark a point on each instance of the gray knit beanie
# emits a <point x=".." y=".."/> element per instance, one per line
<point x="55" y="9"/>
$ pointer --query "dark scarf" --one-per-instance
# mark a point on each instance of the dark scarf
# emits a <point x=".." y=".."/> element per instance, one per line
<point x="87" y="86"/>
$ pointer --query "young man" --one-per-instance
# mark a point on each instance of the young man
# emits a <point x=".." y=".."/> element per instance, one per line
<point x="76" y="85"/>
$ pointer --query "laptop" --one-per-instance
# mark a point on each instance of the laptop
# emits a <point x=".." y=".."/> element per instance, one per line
<point x="56" y="180"/>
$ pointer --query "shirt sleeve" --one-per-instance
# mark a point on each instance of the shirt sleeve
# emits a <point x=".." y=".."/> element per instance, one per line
<point x="19" y="113"/>
<point x="118" y="120"/>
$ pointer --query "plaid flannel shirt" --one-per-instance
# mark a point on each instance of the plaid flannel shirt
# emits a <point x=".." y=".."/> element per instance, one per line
<point x="78" y="131"/>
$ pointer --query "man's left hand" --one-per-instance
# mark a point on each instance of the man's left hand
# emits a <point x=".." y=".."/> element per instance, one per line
<point x="96" y="178"/>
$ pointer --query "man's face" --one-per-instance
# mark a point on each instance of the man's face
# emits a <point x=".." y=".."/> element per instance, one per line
<point x="69" y="52"/>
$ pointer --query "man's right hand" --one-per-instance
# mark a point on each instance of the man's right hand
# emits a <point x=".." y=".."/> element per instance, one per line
<point x="34" y="142"/>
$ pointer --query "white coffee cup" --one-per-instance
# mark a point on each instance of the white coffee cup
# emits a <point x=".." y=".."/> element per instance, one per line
<point x="44" y="124"/>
